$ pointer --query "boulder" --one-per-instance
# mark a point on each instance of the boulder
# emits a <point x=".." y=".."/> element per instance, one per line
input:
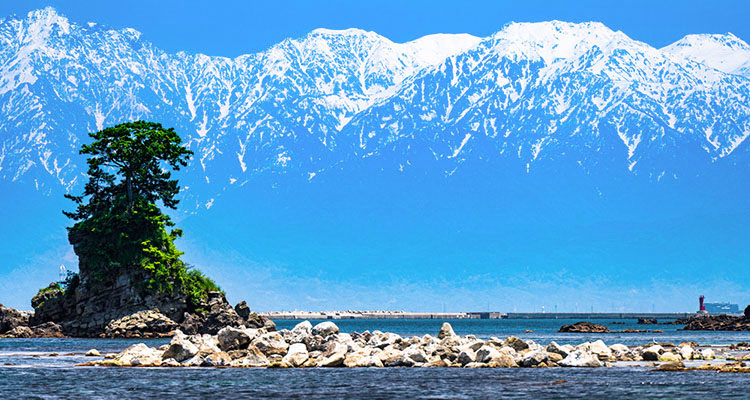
<point x="93" y="353"/>
<point x="335" y="360"/>
<point x="686" y="352"/>
<point x="220" y="359"/>
<point x="553" y="347"/>
<point x="580" y="358"/>
<point x="502" y="360"/>
<point x="271" y="343"/>
<point x="231" y="338"/>
<point x="180" y="348"/>
<point x="515" y="343"/>
<point x="242" y="310"/>
<point x="253" y="360"/>
<point x="669" y="356"/>
<point x="446" y="331"/>
<point x="416" y="354"/>
<point x="139" y="355"/>
<point x="325" y="329"/>
<point x="652" y="353"/>
<point x="672" y="366"/>
<point x="485" y="353"/>
<point x="534" y="358"/>
<point x="707" y="354"/>
<point x="383" y="340"/>
<point x="296" y="355"/>
<point x="599" y="349"/>
<point x="466" y="356"/>
<point x="301" y="332"/>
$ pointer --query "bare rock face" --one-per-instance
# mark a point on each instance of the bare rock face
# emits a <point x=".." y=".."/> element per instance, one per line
<point x="584" y="327"/>
<point x="10" y="318"/>
<point x="121" y="311"/>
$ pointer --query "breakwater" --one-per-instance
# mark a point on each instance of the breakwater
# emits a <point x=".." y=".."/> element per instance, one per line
<point x="302" y="315"/>
<point x="586" y="316"/>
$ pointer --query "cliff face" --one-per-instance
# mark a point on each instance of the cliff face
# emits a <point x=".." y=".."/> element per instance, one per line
<point x="87" y="308"/>
<point x="100" y="303"/>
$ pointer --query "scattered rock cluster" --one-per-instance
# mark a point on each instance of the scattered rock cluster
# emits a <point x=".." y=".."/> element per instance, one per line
<point x="323" y="345"/>
<point x="589" y="327"/>
<point x="707" y="322"/>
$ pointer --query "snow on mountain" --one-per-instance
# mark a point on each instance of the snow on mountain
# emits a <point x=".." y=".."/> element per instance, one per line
<point x="553" y="90"/>
<point x="727" y="52"/>
<point x="532" y="92"/>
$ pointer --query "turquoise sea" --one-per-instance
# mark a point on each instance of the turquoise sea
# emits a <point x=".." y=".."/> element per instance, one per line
<point x="36" y="374"/>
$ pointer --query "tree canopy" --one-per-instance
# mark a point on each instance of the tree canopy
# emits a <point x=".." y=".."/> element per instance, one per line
<point x="119" y="224"/>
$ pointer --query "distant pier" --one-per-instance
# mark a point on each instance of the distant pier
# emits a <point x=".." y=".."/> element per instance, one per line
<point x="380" y="315"/>
<point x="586" y="316"/>
<point x="302" y="315"/>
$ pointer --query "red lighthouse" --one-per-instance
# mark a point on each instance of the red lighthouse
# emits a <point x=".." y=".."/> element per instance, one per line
<point x="702" y="308"/>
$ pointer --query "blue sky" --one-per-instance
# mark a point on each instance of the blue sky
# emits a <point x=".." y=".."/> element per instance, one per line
<point x="231" y="28"/>
<point x="466" y="253"/>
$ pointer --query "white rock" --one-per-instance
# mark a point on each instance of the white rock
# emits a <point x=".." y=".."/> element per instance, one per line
<point x="686" y="352"/>
<point x="534" y="357"/>
<point x="93" y="353"/>
<point x="271" y="343"/>
<point x="652" y="353"/>
<point x="707" y="354"/>
<point x="466" y="356"/>
<point x="325" y="329"/>
<point x="485" y="353"/>
<point x="580" y="358"/>
<point x="446" y="331"/>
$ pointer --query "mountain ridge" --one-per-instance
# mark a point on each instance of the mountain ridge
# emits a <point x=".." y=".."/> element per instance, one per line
<point x="530" y="93"/>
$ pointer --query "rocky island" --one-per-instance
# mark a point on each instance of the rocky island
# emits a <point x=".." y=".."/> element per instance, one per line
<point x="131" y="280"/>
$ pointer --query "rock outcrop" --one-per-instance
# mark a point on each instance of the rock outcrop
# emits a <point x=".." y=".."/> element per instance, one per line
<point x="584" y="327"/>
<point x="704" y="322"/>
<point x="122" y="310"/>
<point x="10" y="318"/>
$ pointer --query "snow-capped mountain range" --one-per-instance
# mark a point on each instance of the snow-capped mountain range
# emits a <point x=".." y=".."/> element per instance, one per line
<point x="531" y="93"/>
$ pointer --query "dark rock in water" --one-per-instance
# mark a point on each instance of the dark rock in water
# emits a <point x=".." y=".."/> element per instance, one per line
<point x="584" y="327"/>
<point x="706" y="322"/>
<point x="647" y="321"/>
<point x="10" y="318"/>
<point x="747" y="312"/>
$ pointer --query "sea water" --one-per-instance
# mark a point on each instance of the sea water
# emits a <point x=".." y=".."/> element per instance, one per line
<point x="37" y="373"/>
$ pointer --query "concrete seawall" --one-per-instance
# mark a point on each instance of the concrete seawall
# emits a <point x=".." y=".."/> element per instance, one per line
<point x="468" y="315"/>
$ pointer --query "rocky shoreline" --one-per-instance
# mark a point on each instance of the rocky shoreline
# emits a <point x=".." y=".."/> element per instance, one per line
<point x="51" y="320"/>
<point x="323" y="345"/>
